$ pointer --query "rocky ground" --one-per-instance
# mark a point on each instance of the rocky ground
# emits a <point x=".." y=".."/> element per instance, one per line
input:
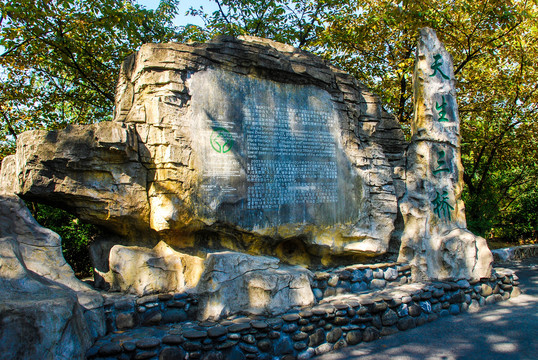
<point x="506" y="330"/>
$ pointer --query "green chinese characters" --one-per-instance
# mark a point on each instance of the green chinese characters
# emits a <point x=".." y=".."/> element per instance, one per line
<point x="441" y="110"/>
<point x="436" y="67"/>
<point x="442" y="165"/>
<point x="441" y="205"/>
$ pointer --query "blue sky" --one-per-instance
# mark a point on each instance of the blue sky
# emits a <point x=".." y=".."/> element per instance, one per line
<point x="184" y="5"/>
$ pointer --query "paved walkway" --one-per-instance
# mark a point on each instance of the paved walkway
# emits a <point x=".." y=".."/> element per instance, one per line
<point x="506" y="331"/>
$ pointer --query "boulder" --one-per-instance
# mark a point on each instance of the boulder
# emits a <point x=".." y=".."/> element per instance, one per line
<point x="143" y="271"/>
<point x="226" y="282"/>
<point x="41" y="248"/>
<point x="435" y="240"/>
<point x="254" y="146"/>
<point x="41" y="253"/>
<point x="42" y="324"/>
<point x="45" y="312"/>
<point x="239" y="283"/>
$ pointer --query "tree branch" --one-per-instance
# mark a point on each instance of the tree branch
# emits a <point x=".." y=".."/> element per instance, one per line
<point x="222" y="13"/>
<point x="8" y="122"/>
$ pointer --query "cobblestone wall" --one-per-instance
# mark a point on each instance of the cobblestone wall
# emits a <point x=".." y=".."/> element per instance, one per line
<point x="347" y="318"/>
<point x="515" y="253"/>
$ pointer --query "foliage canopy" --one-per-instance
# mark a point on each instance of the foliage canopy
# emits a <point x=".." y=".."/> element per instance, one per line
<point x="59" y="59"/>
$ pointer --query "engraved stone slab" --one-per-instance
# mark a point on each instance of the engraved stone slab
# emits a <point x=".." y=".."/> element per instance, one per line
<point x="270" y="154"/>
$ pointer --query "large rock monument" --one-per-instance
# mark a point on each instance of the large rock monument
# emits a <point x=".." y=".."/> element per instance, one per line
<point x="435" y="240"/>
<point x="239" y="144"/>
<point x="229" y="169"/>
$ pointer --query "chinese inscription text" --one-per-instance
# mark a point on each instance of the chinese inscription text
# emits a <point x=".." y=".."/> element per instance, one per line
<point x="291" y="157"/>
<point x="441" y="206"/>
<point x="436" y="67"/>
<point x="442" y="165"/>
<point x="441" y="108"/>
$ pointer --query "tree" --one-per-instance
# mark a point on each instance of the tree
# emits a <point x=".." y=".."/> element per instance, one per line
<point x="294" y="22"/>
<point x="60" y="59"/>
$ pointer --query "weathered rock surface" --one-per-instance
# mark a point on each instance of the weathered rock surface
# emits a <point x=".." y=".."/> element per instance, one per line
<point x="143" y="271"/>
<point x="91" y="169"/>
<point x="255" y="146"/>
<point x="240" y="283"/>
<point x="248" y="145"/>
<point x="45" y="312"/>
<point x="435" y="240"/>
<point x="42" y="323"/>
<point x="40" y="248"/>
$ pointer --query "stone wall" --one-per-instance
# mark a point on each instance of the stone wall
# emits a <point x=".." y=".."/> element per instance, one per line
<point x="336" y="322"/>
<point x="127" y="312"/>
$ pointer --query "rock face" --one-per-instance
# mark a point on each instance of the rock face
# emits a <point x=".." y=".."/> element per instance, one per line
<point x="435" y="239"/>
<point x="246" y="145"/>
<point x="239" y="283"/>
<point x="92" y="169"/>
<point x="41" y="322"/>
<point x="45" y="312"/>
<point x="243" y="144"/>
<point x="226" y="283"/>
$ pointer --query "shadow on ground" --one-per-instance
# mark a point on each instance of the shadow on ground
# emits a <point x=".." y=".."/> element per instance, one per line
<point x="506" y="330"/>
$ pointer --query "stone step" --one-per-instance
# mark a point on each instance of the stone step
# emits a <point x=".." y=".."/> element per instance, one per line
<point x="335" y="322"/>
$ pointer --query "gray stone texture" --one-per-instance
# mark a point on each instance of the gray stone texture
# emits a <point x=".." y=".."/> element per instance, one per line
<point x="367" y="316"/>
<point x="234" y="282"/>
<point x="252" y="146"/>
<point x="45" y="312"/>
<point x="91" y="169"/>
<point x="142" y="271"/>
<point x="435" y="239"/>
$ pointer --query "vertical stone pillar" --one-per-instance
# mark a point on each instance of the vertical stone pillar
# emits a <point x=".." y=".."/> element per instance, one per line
<point x="435" y="239"/>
